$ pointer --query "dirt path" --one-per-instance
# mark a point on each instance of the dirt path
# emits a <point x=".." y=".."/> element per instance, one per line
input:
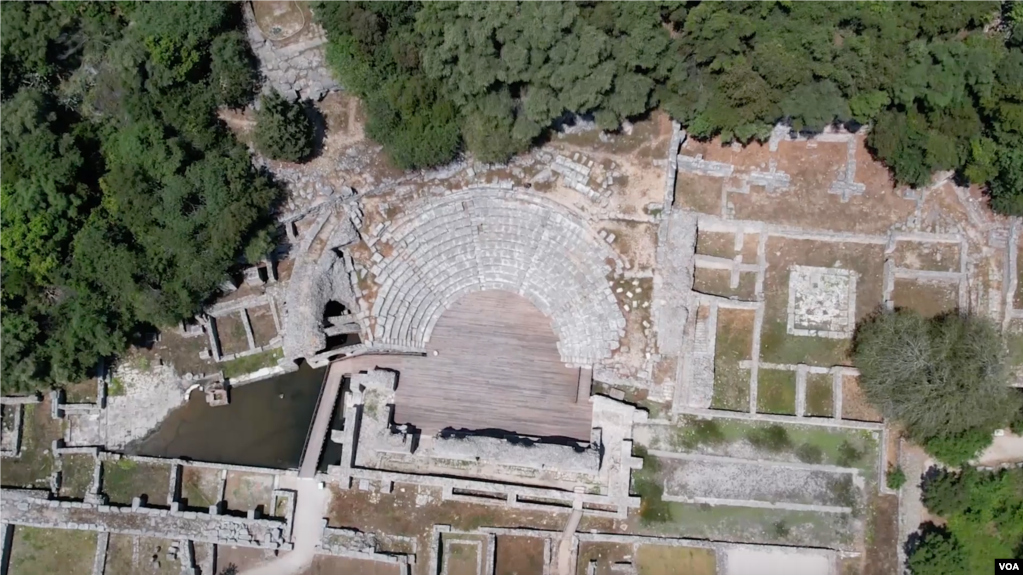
<point x="565" y="564"/>
<point x="310" y="508"/>
<point x="1005" y="449"/>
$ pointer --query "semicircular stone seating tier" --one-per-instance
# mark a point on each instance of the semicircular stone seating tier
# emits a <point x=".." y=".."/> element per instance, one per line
<point x="497" y="239"/>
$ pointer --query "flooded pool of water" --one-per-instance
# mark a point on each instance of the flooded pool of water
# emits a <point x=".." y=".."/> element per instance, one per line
<point x="265" y="424"/>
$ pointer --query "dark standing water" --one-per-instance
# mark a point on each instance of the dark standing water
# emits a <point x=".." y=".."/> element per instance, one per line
<point x="259" y="427"/>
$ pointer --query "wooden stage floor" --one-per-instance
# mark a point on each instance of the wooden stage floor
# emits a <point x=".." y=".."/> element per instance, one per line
<point x="497" y="367"/>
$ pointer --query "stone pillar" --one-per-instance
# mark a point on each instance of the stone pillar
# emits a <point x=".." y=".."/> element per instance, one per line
<point x="211" y="331"/>
<point x="172" y="484"/>
<point x="222" y="490"/>
<point x="248" y="328"/>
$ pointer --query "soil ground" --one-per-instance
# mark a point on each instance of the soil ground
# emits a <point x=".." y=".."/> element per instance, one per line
<point x="263" y="328"/>
<point x="881" y="557"/>
<point x="518" y="555"/>
<point x="854" y="403"/>
<point x="605" y="554"/>
<point x="247" y="491"/>
<point x="661" y="560"/>
<point x="200" y="487"/>
<point x="718" y="282"/>
<point x="413" y="510"/>
<point x="930" y="298"/>
<point x="936" y="256"/>
<point x="327" y="565"/>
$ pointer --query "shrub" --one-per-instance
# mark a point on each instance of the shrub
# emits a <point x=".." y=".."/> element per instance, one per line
<point x="773" y="438"/>
<point x="699" y="432"/>
<point x="958" y="448"/>
<point x="283" y="131"/>
<point x="896" y="477"/>
<point x="936" y="552"/>
<point x="848" y="454"/>
<point x="653" y="508"/>
<point x="808" y="453"/>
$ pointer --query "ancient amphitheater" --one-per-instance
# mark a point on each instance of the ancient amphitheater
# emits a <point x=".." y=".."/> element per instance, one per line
<point x="494" y="239"/>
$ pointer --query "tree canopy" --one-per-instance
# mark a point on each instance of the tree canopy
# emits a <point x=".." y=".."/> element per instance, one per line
<point x="984" y="515"/>
<point x="283" y="130"/>
<point x="945" y="378"/>
<point x="941" y="84"/>
<point x="125" y="202"/>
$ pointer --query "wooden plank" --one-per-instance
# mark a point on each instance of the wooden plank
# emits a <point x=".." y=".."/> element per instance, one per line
<point x="496" y="366"/>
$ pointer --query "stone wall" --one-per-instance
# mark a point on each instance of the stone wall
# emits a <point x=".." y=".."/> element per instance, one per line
<point x="20" y="508"/>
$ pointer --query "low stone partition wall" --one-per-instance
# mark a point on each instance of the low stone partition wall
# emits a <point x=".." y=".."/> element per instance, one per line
<point x="20" y="399"/>
<point x="19" y="507"/>
<point x="355" y="544"/>
<point x="110" y="456"/>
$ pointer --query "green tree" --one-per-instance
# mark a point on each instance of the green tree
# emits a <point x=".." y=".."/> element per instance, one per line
<point x="945" y="378"/>
<point x="233" y="70"/>
<point x="283" y="130"/>
<point x="937" y="553"/>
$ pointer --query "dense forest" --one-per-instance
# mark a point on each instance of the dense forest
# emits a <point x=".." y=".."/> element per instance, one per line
<point x="941" y="84"/>
<point x="124" y="200"/>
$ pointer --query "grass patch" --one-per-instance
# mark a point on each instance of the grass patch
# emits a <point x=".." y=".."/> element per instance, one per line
<point x="63" y="551"/>
<point x="251" y="363"/>
<point x="34" y="466"/>
<point x="777" y="346"/>
<point x="734" y="343"/>
<point x="124" y="479"/>
<point x="116" y="386"/>
<point x="819" y="395"/>
<point x="776" y="392"/>
<point x="697" y="432"/>
<point x="646" y="484"/>
<point x="832" y="446"/>
<point x="752" y="525"/>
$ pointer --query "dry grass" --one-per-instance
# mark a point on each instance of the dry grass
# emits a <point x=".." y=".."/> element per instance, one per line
<point x="718" y="282"/>
<point x="854" y="403"/>
<point x="718" y="244"/>
<point x="937" y="256"/>
<point x="699" y="193"/>
<point x="663" y="560"/>
<point x="734" y="344"/>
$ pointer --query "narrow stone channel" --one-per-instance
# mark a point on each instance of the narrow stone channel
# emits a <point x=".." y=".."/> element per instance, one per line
<point x="265" y="424"/>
